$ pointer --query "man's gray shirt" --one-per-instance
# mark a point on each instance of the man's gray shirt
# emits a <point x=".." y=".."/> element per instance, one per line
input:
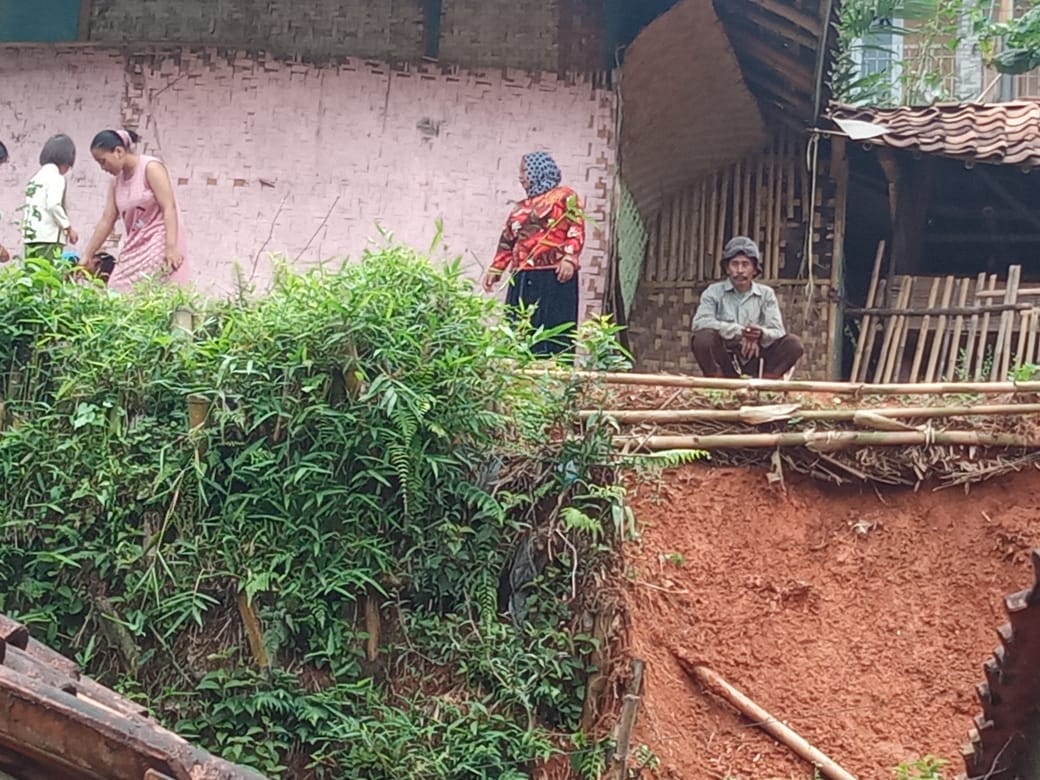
<point x="724" y="309"/>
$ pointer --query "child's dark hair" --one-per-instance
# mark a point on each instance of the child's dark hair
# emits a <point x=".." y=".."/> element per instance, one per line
<point x="59" y="150"/>
<point x="108" y="140"/>
<point x="3" y="153"/>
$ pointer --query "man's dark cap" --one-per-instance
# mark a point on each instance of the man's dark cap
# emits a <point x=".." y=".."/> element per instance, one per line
<point x="741" y="245"/>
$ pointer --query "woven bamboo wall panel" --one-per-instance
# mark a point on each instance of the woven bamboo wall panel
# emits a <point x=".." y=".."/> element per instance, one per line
<point x="660" y="327"/>
<point x="766" y="196"/>
<point x="483" y="33"/>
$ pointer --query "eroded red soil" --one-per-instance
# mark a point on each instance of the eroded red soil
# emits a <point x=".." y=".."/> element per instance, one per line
<point x="860" y="619"/>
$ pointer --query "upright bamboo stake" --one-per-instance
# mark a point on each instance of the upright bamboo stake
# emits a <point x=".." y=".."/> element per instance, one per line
<point x="1025" y="323"/>
<point x="738" y="197"/>
<point x="904" y="331"/>
<point x="711" y="232"/>
<point x="745" y="200"/>
<point x="866" y="330"/>
<point x="702" y="226"/>
<point x="758" y="199"/>
<point x="967" y="365"/>
<point x="922" y="333"/>
<point x="775" y="728"/>
<point x="1034" y="324"/>
<point x="724" y="210"/>
<point x="941" y="334"/>
<point x="958" y="327"/>
<point x="791" y="165"/>
<point x="980" y="349"/>
<point x="777" y="205"/>
<point x="1014" y="280"/>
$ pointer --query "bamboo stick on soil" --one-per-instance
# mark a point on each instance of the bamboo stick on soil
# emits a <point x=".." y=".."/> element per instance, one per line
<point x="779" y="385"/>
<point x="747" y="414"/>
<point x="866" y="332"/>
<point x="828" y="441"/>
<point x="775" y="728"/>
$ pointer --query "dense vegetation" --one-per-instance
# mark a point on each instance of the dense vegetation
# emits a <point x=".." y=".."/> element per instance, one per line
<point x="361" y="556"/>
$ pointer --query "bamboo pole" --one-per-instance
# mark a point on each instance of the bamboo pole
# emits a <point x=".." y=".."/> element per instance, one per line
<point x="904" y="331"/>
<point x="941" y="333"/>
<point x="1023" y="332"/>
<point x="1002" y="347"/>
<point x="738" y="197"/>
<point x="776" y="185"/>
<point x="958" y="327"/>
<point x="922" y="332"/>
<point x="702" y="246"/>
<point x="973" y="327"/>
<point x="897" y="343"/>
<point x="761" y="718"/>
<point x="778" y="385"/>
<point x="758" y="199"/>
<point x="862" y="357"/>
<point x="724" y="210"/>
<point x="826" y="441"/>
<point x="747" y="414"/>
<point x="1034" y="323"/>
<point x="980" y="350"/>
<point x="710" y="240"/>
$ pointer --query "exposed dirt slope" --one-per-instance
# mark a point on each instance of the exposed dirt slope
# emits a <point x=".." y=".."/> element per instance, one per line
<point x="861" y="619"/>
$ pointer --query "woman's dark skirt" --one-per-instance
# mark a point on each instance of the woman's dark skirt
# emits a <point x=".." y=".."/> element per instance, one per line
<point x="555" y="303"/>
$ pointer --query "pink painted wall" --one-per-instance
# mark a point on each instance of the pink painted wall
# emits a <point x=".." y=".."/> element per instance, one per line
<point x="273" y="157"/>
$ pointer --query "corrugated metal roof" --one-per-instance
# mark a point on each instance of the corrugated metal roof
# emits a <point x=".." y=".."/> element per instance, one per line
<point x="994" y="133"/>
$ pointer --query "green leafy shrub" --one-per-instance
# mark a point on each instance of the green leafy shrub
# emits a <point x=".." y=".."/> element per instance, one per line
<point x="361" y="442"/>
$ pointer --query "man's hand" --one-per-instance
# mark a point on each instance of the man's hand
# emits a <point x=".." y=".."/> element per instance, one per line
<point x="752" y="332"/>
<point x="749" y="348"/>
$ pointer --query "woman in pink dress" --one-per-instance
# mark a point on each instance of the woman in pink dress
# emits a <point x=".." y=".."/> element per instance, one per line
<point x="142" y="196"/>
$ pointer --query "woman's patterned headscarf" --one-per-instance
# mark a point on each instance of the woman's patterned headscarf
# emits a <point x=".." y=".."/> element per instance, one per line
<point x="542" y="173"/>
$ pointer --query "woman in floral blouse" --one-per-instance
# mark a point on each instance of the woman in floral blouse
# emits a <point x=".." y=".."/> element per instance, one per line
<point x="540" y="247"/>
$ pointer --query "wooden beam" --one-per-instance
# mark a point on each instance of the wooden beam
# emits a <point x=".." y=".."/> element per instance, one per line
<point x="765" y="19"/>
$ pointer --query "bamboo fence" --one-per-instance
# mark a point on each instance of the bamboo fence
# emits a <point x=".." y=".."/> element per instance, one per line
<point x="931" y="333"/>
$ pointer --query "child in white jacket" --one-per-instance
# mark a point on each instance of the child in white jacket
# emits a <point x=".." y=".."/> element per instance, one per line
<point x="45" y="226"/>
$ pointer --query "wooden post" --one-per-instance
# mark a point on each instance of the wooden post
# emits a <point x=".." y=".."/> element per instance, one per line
<point x="840" y="174"/>
<point x="627" y="721"/>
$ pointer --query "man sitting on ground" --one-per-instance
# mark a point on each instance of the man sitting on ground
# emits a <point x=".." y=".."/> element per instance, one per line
<point x="738" y="330"/>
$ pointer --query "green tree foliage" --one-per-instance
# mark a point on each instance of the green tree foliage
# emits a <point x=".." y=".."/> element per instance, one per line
<point x="364" y="443"/>
<point x="933" y="27"/>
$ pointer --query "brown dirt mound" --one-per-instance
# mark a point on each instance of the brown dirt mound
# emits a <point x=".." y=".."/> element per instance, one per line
<point x="861" y="619"/>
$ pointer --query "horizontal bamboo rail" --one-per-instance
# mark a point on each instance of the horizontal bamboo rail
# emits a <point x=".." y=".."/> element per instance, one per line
<point x="780" y="386"/>
<point x="948" y="310"/>
<point x="826" y="441"/>
<point x="753" y="414"/>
